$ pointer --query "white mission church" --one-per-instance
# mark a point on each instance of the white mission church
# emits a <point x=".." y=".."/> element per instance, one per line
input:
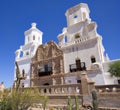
<point x="81" y="46"/>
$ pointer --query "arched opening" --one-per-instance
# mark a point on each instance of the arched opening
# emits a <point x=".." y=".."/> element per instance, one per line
<point x="65" y="39"/>
<point x="75" y="16"/>
<point x="33" y="37"/>
<point x="93" y="60"/>
<point x="77" y="36"/>
<point x="23" y="85"/>
<point x="78" y="64"/>
<point x="27" y="53"/>
<point x="118" y="81"/>
<point x="46" y="84"/>
<point x="23" y="73"/>
<point x="21" y="54"/>
<point x="45" y="90"/>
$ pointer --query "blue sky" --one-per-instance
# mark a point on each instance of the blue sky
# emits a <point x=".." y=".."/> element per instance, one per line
<point x="16" y="17"/>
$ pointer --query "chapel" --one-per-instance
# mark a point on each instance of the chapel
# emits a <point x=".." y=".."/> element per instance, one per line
<point x="79" y="49"/>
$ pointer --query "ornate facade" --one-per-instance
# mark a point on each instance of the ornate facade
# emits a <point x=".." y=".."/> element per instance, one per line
<point x="47" y="63"/>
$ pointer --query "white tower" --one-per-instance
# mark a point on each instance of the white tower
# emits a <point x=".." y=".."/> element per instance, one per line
<point x="33" y="38"/>
<point x="77" y="14"/>
<point x="80" y="41"/>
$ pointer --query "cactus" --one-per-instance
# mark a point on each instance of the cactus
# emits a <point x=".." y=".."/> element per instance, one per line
<point x="17" y="76"/>
<point x="76" y="103"/>
<point x="95" y="100"/>
<point x="69" y="103"/>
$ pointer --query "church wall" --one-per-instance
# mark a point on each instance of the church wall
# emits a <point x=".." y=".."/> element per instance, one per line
<point x="97" y="78"/>
<point x="26" y="66"/>
<point x="84" y="54"/>
<point x="30" y="38"/>
<point x="79" y="40"/>
<point x="108" y="78"/>
<point x="71" y="80"/>
<point x="33" y="38"/>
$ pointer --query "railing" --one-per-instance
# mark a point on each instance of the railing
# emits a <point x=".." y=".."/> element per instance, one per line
<point x="74" y="67"/>
<point x="108" y="88"/>
<point x="60" y="89"/>
<point x="45" y="71"/>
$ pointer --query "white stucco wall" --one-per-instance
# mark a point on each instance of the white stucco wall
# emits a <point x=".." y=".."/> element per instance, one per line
<point x="97" y="78"/>
<point x="88" y="43"/>
<point x="107" y="76"/>
<point x="82" y="51"/>
<point x="33" y="38"/>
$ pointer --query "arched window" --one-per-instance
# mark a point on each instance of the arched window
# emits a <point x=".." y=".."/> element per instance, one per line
<point x="45" y="90"/>
<point x="33" y="37"/>
<point x="65" y="39"/>
<point x="21" y="54"/>
<point x="75" y="16"/>
<point x="79" y="81"/>
<point x="27" y="53"/>
<point x="77" y="36"/>
<point x="93" y="60"/>
<point x="78" y="64"/>
<point x="23" y="73"/>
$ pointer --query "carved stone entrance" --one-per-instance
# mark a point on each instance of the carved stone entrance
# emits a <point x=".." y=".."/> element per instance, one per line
<point x="48" y="61"/>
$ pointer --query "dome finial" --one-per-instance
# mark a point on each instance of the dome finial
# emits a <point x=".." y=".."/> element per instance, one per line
<point x="33" y="25"/>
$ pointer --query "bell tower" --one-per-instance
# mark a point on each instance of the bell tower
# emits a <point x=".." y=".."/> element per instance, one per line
<point x="77" y="14"/>
<point x="33" y="35"/>
<point x="33" y="38"/>
<point x="80" y="40"/>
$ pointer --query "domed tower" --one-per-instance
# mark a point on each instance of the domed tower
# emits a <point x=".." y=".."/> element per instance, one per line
<point x="81" y="44"/>
<point x="33" y="38"/>
<point x="77" y="14"/>
<point x="33" y="35"/>
<point x="77" y="18"/>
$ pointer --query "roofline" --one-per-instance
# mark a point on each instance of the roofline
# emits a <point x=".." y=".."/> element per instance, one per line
<point x="76" y="7"/>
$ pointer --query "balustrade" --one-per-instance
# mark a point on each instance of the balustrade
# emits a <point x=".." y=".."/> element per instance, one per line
<point x="60" y="89"/>
<point x="108" y="88"/>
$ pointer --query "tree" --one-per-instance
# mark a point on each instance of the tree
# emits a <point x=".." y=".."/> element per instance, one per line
<point x="44" y="100"/>
<point x="20" y="100"/>
<point x="4" y="102"/>
<point x="114" y="69"/>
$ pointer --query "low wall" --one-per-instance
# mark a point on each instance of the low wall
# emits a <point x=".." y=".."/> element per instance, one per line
<point x="109" y="99"/>
<point x="108" y="96"/>
<point x="108" y="88"/>
<point x="108" y="108"/>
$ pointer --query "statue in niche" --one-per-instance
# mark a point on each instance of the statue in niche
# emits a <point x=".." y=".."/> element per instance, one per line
<point x="57" y="66"/>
